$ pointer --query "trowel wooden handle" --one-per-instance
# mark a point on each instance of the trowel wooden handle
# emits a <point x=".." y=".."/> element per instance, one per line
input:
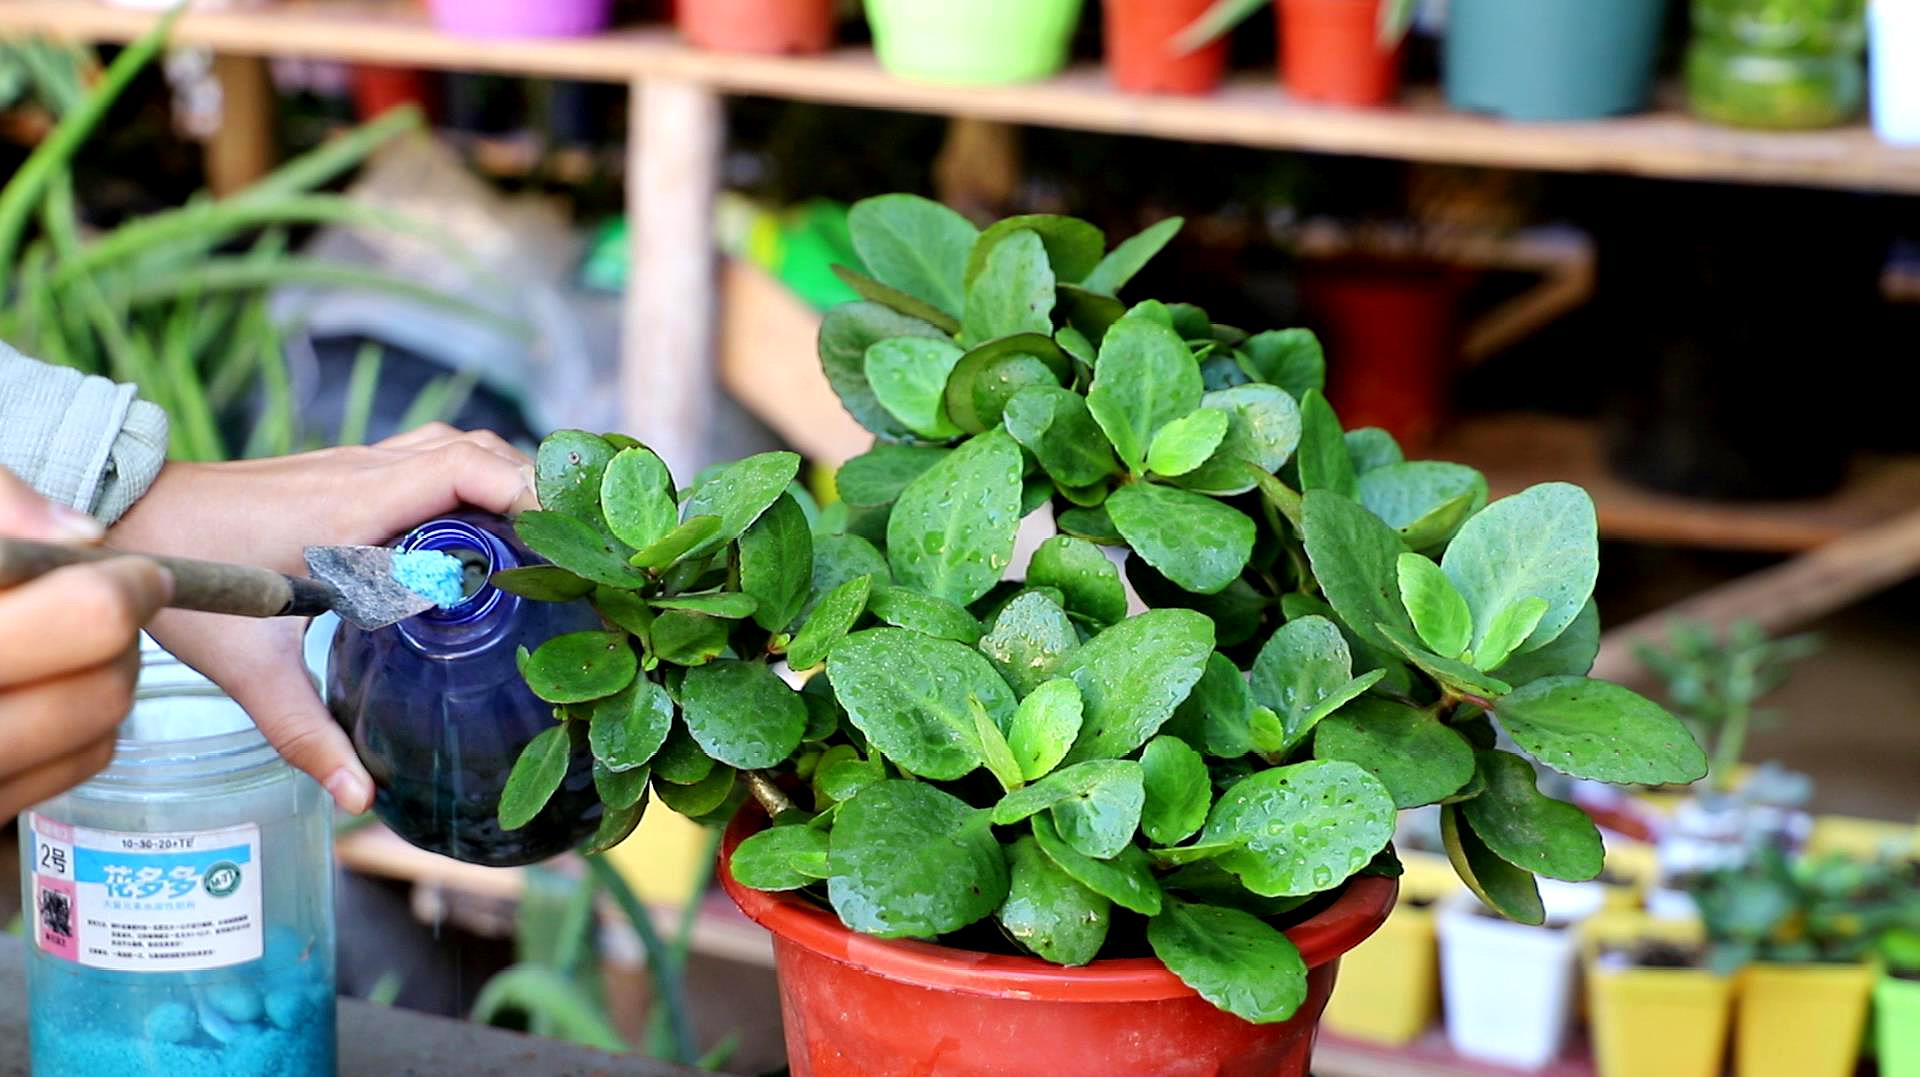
<point x="208" y="586"/>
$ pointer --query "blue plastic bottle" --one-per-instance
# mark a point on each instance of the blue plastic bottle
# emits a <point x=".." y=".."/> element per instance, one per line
<point x="438" y="712"/>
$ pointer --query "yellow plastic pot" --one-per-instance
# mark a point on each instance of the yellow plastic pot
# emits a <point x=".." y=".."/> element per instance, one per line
<point x="661" y="859"/>
<point x="1389" y="987"/>
<point x="1801" y="1020"/>
<point x="1632" y="867"/>
<point x="1861" y="839"/>
<point x="1654" y="1022"/>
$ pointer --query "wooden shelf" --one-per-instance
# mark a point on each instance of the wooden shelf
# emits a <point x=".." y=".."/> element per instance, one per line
<point x="1251" y="112"/>
<point x="1428" y="1056"/>
<point x="1518" y="451"/>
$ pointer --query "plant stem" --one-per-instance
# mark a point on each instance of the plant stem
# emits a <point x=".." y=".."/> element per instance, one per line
<point x="660" y="967"/>
<point x="767" y="793"/>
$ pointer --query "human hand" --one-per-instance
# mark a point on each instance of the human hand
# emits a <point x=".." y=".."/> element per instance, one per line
<point x="267" y="512"/>
<point x="69" y="653"/>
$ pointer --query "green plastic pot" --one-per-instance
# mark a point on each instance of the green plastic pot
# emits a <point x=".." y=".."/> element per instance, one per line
<point x="1896" y="1012"/>
<point x="1552" y="59"/>
<point x="973" y="43"/>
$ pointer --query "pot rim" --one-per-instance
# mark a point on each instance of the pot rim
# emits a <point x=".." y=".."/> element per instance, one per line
<point x="1360" y="909"/>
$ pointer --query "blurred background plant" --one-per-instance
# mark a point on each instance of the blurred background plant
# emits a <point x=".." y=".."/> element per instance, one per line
<point x="1714" y="682"/>
<point x="1828" y="909"/>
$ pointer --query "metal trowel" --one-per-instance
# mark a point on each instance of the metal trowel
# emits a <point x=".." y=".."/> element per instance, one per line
<point x="355" y="582"/>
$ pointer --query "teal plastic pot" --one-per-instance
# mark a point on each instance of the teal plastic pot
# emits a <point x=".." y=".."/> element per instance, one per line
<point x="974" y="42"/>
<point x="1552" y="59"/>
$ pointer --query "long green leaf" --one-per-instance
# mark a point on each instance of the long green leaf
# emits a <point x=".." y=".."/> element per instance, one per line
<point x="320" y="166"/>
<point x="226" y="274"/>
<point x="361" y="386"/>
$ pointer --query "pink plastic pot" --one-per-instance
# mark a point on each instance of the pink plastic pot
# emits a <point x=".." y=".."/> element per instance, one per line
<point x="857" y="1006"/>
<point x="521" y="18"/>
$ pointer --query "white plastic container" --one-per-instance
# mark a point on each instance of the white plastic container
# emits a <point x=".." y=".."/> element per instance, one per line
<point x="1509" y="988"/>
<point x="1893" y="36"/>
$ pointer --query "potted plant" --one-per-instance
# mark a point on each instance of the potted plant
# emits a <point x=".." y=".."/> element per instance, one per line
<point x="766" y="26"/>
<point x="1896" y="999"/>
<point x="1144" y="55"/>
<point x="521" y="18"/>
<point x="1509" y="987"/>
<point x="1338" y="52"/>
<point x="1780" y="64"/>
<point x="1798" y="934"/>
<point x="1028" y="812"/>
<point x="1390" y="984"/>
<point x="1552" y="59"/>
<point x="977" y="43"/>
<point x="1657" y="1009"/>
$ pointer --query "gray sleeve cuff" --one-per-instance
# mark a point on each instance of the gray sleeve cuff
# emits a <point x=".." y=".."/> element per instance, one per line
<point x="82" y="441"/>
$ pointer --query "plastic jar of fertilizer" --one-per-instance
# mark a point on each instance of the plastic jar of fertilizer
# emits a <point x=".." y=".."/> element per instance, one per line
<point x="180" y="903"/>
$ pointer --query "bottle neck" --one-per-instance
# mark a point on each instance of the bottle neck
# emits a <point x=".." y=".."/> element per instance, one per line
<point x="487" y="611"/>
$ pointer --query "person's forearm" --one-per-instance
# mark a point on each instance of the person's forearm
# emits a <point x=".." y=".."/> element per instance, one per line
<point x="81" y="441"/>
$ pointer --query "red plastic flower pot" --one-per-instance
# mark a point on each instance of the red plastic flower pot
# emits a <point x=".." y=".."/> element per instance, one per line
<point x="764" y="26"/>
<point x="1141" y="55"/>
<point x="1330" y="51"/>
<point x="1391" y="329"/>
<point x="857" y="1006"/>
<point x="378" y="88"/>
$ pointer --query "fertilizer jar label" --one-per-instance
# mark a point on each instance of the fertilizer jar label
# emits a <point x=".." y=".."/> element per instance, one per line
<point x="183" y="902"/>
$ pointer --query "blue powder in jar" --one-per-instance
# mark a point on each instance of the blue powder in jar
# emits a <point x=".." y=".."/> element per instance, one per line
<point x="434" y="575"/>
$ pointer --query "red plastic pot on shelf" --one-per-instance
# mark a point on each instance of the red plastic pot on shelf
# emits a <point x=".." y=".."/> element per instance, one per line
<point x="1330" y="52"/>
<point x="762" y="26"/>
<point x="1141" y="55"/>
<point x="857" y="1006"/>
<point x="378" y="88"/>
<point x="1391" y="327"/>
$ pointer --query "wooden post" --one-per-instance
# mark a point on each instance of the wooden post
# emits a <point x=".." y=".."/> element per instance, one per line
<point x="241" y="151"/>
<point x="668" y="380"/>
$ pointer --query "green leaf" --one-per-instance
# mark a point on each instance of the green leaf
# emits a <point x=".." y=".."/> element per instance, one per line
<point x="925" y="614"/>
<point x="1454" y="675"/>
<point x="1130" y="257"/>
<point x="628" y="728"/>
<point x="910" y="861"/>
<point x="1426" y="501"/>
<point x="1048" y="912"/>
<point x="581" y="666"/>
<point x="1133" y="675"/>
<point x="726" y="605"/>
<point x="680" y="760"/>
<point x="1439" y="614"/>
<point x="1263" y="429"/>
<point x="542" y="583"/>
<point x="1324" y="463"/>
<point x="1355" y="559"/>
<point x="1075" y="343"/>
<point x="1304" y="665"/>
<point x="577" y="548"/>
<point x="842" y="773"/>
<point x="1528" y="830"/>
<point x="846" y="333"/>
<point x="1180" y="856"/>
<point x="1509" y="629"/>
<point x="832" y="619"/>
<point x="951" y="532"/>
<point x="1232" y="959"/>
<point x="1084" y="574"/>
<point x="1571" y="654"/>
<point x="1092" y="524"/>
<point x="742" y="714"/>
<point x="915" y="245"/>
<point x="536" y="774"/>
<point x="839" y="558"/>
<point x="695" y="799"/>
<point x="1289" y="358"/>
<point x="1507" y="890"/>
<point x="1371" y="448"/>
<point x="1145" y="378"/>
<point x="620" y="789"/>
<point x="1600" y="731"/>
<point x="994" y="749"/>
<point x="1014" y="294"/>
<point x="1542" y="542"/>
<point x="1044" y="727"/>
<point x="877" y="476"/>
<point x="1193" y="540"/>
<point x="739" y="492"/>
<point x="991" y="374"/>
<point x="567" y="474"/>
<point x="1306" y="828"/>
<point x="616" y="826"/>
<point x="678" y="543"/>
<point x="765" y="860"/>
<point x="909" y="378"/>
<point x="1112" y="785"/>
<point x="896" y="300"/>
<point x="1126" y="880"/>
<point x="625" y="609"/>
<point x="910" y="695"/>
<point x="1056" y="427"/>
<point x="1178" y="789"/>
<point x="776" y="564"/>
<point x="1215" y="714"/>
<point x="1090" y="312"/>
<point x="1073" y="247"/>
<point x="685" y="638"/>
<point x="636" y="495"/>
<point x="1187" y="442"/>
<point x="1029" y="641"/>
<point x="1414" y="755"/>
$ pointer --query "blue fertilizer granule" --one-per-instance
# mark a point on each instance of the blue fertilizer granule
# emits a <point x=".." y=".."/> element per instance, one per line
<point x="272" y="1018"/>
<point x="432" y="574"/>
